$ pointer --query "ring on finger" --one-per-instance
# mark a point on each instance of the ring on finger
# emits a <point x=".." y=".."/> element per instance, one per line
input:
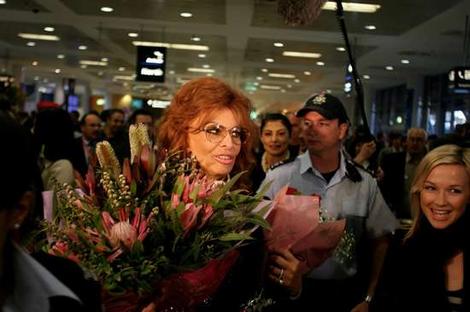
<point x="281" y="281"/>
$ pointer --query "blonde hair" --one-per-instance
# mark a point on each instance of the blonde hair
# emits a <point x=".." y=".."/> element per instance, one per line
<point x="444" y="155"/>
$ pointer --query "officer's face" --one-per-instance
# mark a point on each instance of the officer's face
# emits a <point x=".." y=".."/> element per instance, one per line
<point x="321" y="134"/>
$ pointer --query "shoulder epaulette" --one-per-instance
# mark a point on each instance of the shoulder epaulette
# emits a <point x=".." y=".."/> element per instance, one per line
<point x="283" y="162"/>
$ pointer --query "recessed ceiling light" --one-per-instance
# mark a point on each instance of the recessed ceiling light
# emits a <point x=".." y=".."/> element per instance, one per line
<point x="352" y="7"/>
<point x="100" y="73"/>
<point x="289" y="86"/>
<point x="82" y="47"/>
<point x="49" y="29"/>
<point x="340" y="49"/>
<point x="60" y="56"/>
<point x="206" y="66"/>
<point x="31" y="44"/>
<point x="133" y="35"/>
<point x="264" y="70"/>
<point x="196" y="38"/>
<point x="370" y="27"/>
<point x="83" y="66"/>
<point x="301" y="54"/>
<point x="404" y="61"/>
<point x="296" y="80"/>
<point x="121" y="68"/>
<point x="106" y="9"/>
<point x="38" y="37"/>
<point x="269" y="60"/>
<point x="186" y="14"/>
<point x="366" y="77"/>
<point x="276" y="75"/>
<point x="307" y="73"/>
<point x="200" y="70"/>
<point x="259" y="78"/>
<point x="320" y="63"/>
<point x="93" y="63"/>
<point x="269" y="87"/>
<point x="201" y="55"/>
<point x="104" y="59"/>
<point x="57" y="71"/>
<point x="389" y="67"/>
<point x="278" y="44"/>
<point x="283" y="91"/>
<point x="209" y="74"/>
<point x="256" y="83"/>
<point x="35" y="63"/>
<point x="3" y="1"/>
<point x="171" y="72"/>
<point x="177" y="46"/>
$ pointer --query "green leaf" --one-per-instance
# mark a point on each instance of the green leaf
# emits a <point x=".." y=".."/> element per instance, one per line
<point x="235" y="237"/>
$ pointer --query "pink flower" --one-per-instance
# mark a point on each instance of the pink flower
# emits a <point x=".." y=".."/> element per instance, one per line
<point x="189" y="217"/>
<point x="123" y="232"/>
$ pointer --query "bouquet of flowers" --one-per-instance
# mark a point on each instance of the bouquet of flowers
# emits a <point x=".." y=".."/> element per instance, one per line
<point x="156" y="231"/>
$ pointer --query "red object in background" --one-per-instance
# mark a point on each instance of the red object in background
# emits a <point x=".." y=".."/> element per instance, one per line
<point x="43" y="104"/>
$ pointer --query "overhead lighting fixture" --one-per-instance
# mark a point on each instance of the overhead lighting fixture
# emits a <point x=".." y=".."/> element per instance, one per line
<point x="49" y="29"/>
<point x="367" y="77"/>
<point x="133" y="35"/>
<point x="389" y="67"/>
<point x="121" y="68"/>
<point x="57" y="71"/>
<point x="118" y="77"/>
<point x="60" y="56"/>
<point x="320" y="63"/>
<point x="200" y="70"/>
<point x="269" y="60"/>
<point x="206" y="66"/>
<point x="35" y="63"/>
<point x="104" y="59"/>
<point x="186" y="14"/>
<point x="38" y="37"/>
<point x="259" y="78"/>
<point x="82" y="47"/>
<point x="177" y="46"/>
<point x="270" y="87"/>
<point x="301" y="54"/>
<point x="195" y="38"/>
<point x="106" y="9"/>
<point x="3" y="1"/>
<point x="36" y="78"/>
<point x="256" y="83"/>
<point x="93" y="63"/>
<point x="83" y="66"/>
<point x="283" y="91"/>
<point x="31" y="44"/>
<point x="404" y="61"/>
<point x="264" y="70"/>
<point x="201" y="55"/>
<point x="100" y="73"/>
<point x="289" y="86"/>
<point x="370" y="27"/>
<point x="209" y="74"/>
<point x="307" y="73"/>
<point x="276" y="75"/>
<point x="171" y="72"/>
<point x="278" y="44"/>
<point x="352" y="7"/>
<point x="340" y="49"/>
<point x="297" y="80"/>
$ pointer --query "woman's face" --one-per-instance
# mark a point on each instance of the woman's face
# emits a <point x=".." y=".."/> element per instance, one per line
<point x="216" y="158"/>
<point x="275" y="138"/>
<point x="445" y="194"/>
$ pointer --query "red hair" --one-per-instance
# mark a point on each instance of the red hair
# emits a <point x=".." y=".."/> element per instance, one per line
<point x="200" y="99"/>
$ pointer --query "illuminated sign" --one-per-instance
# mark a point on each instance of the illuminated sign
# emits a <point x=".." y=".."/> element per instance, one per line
<point x="150" y="64"/>
<point x="459" y="80"/>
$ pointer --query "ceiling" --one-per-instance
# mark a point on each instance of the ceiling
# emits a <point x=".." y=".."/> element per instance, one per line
<point x="240" y="36"/>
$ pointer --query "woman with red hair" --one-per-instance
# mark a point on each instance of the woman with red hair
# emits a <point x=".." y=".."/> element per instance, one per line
<point x="210" y="120"/>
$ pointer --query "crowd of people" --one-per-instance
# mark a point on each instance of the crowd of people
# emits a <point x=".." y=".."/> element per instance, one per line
<point x="359" y="178"/>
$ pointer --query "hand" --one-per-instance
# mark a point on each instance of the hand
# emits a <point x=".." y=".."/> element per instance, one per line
<point x="284" y="270"/>
<point x="365" y="152"/>
<point x="361" y="307"/>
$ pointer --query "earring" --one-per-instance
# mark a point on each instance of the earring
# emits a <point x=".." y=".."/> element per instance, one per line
<point x="16" y="226"/>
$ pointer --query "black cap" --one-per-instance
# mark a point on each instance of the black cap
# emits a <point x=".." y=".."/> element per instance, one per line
<point x="325" y="104"/>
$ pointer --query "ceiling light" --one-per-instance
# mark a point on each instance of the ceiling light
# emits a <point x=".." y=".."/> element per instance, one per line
<point x="296" y="80"/>
<point x="200" y="70"/>
<point x="57" y="71"/>
<point x="49" y="29"/>
<point x="196" y="38"/>
<point x="123" y="77"/>
<point x="269" y="60"/>
<point x="278" y="44"/>
<point x="93" y="63"/>
<point x="340" y="49"/>
<point x="121" y="68"/>
<point x="307" y="73"/>
<point x="3" y="1"/>
<point x="133" y="35"/>
<point x="171" y="72"/>
<point x="320" y="63"/>
<point x="100" y="73"/>
<point x="276" y="75"/>
<point x="36" y="78"/>
<point x="60" y="56"/>
<point x="259" y="78"/>
<point x="264" y="70"/>
<point x="352" y="7"/>
<point x="209" y="74"/>
<point x="82" y="47"/>
<point x="104" y="59"/>
<point x="366" y="77"/>
<point x="206" y="66"/>
<point x="35" y="63"/>
<point x="201" y="55"/>
<point x="405" y="61"/>
<point x="289" y="86"/>
<point x="389" y="67"/>
<point x="328" y="90"/>
<point x="186" y="14"/>
<point x="178" y="46"/>
<point x="301" y="54"/>
<point x="370" y="27"/>
<point x="106" y="9"/>
<point x="256" y="83"/>
<point x="38" y="37"/>
<point x="83" y="66"/>
<point x="270" y="87"/>
<point x="31" y="44"/>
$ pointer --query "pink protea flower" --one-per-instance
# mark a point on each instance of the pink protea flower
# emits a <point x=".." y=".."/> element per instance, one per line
<point x="189" y="217"/>
<point x="123" y="232"/>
